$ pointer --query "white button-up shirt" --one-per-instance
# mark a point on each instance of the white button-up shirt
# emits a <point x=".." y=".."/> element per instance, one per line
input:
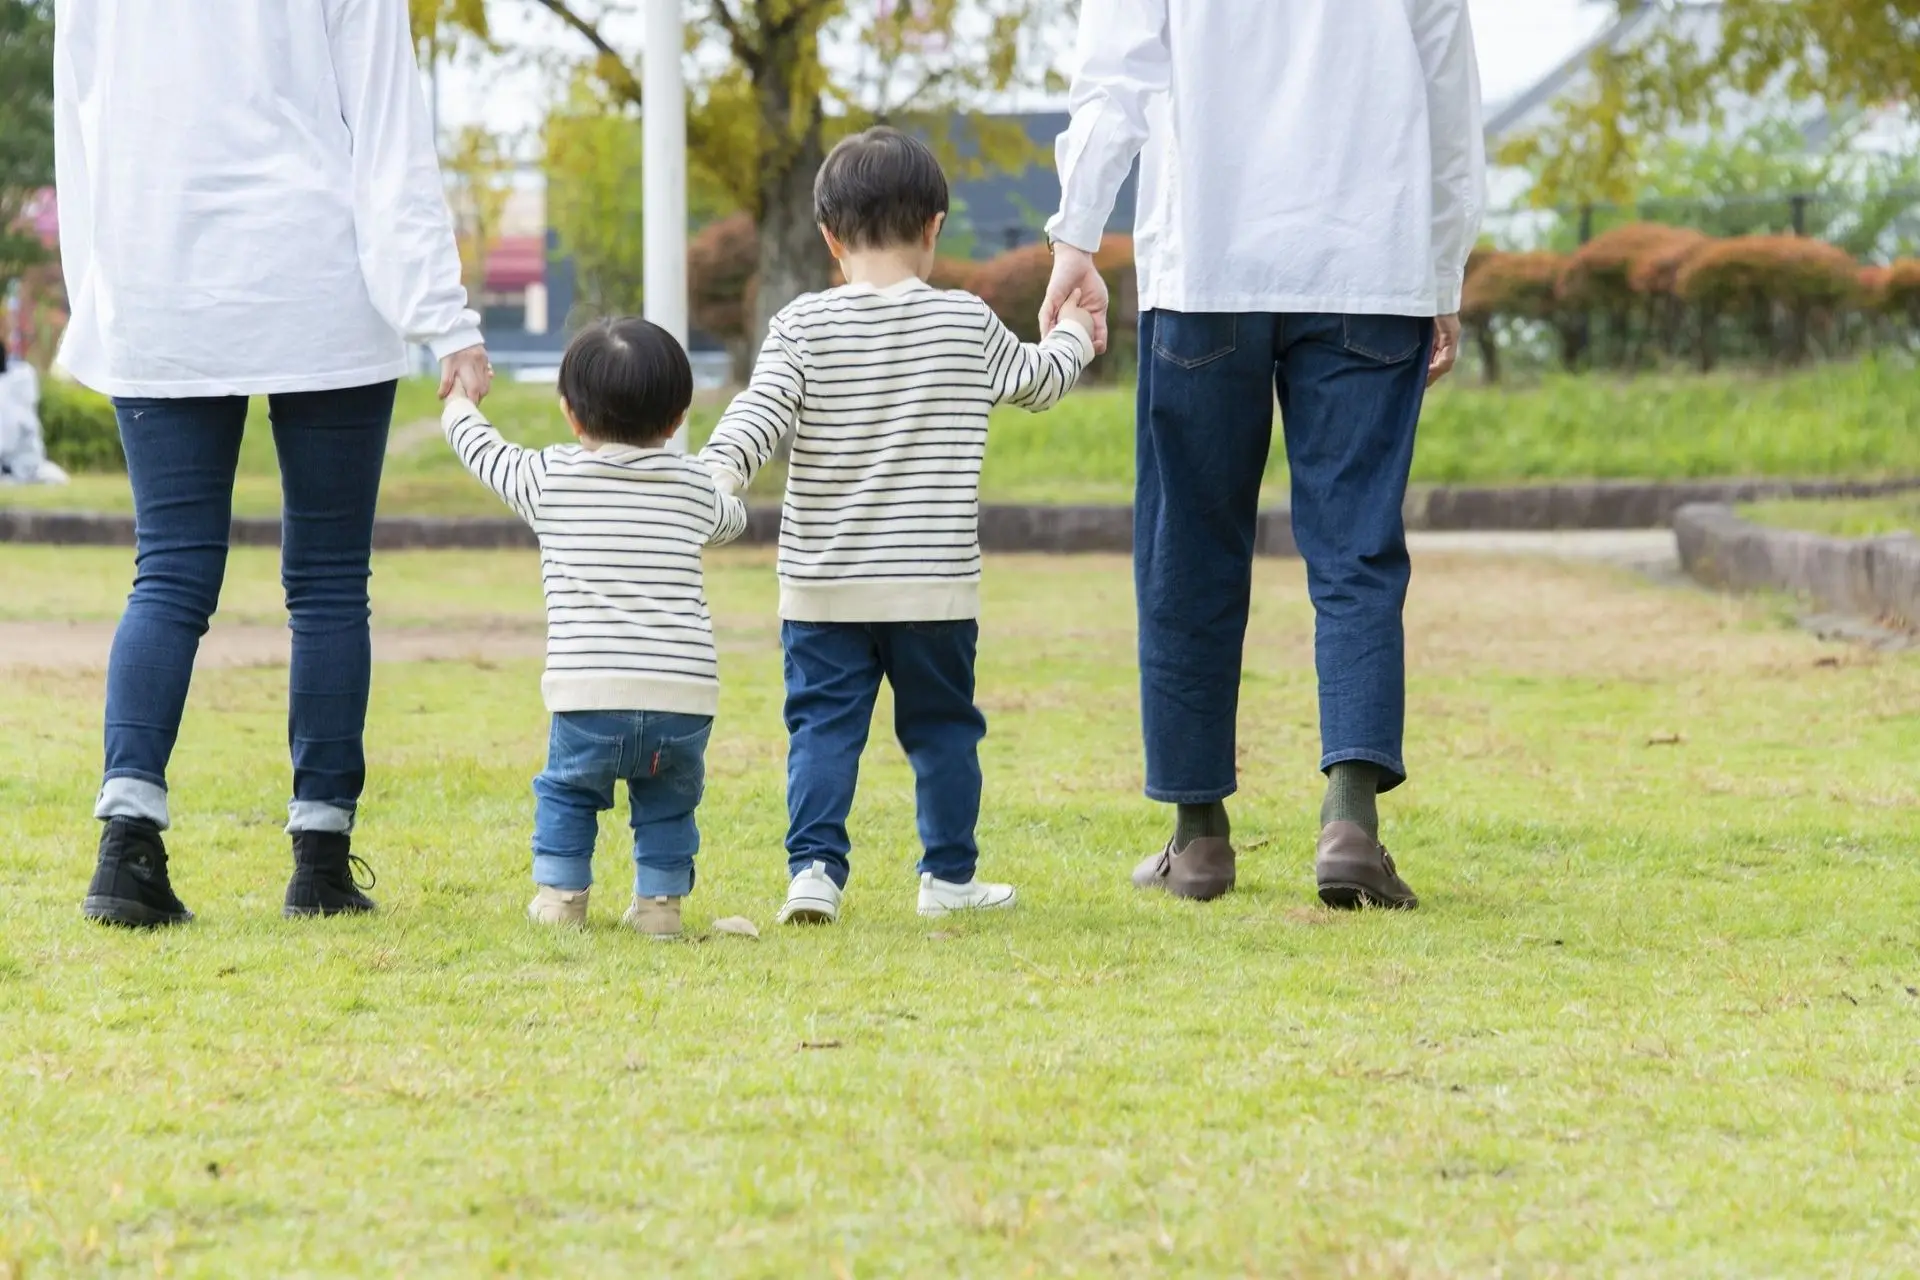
<point x="250" y="200"/>
<point x="1300" y="155"/>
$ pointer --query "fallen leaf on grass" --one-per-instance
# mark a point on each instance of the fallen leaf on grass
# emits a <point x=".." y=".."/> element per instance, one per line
<point x="738" y="926"/>
<point x="1664" y="740"/>
<point x="819" y="1044"/>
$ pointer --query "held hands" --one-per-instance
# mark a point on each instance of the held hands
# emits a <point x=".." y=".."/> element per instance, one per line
<point x="466" y="373"/>
<point x="1075" y="310"/>
<point x="1446" y="348"/>
<point x="1076" y="283"/>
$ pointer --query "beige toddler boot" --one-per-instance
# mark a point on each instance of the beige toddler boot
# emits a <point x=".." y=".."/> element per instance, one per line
<point x="656" y="918"/>
<point x="562" y="907"/>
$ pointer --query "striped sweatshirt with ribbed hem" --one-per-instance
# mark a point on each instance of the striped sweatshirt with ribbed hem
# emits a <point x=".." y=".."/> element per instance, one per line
<point x="621" y="530"/>
<point x="887" y="391"/>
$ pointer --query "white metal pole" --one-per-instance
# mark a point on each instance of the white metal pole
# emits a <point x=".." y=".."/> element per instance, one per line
<point x="664" y="112"/>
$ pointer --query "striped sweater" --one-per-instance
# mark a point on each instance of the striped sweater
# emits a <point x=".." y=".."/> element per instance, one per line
<point x="887" y="392"/>
<point x="621" y="530"/>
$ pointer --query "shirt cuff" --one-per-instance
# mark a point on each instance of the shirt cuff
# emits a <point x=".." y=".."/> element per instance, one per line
<point x="459" y="340"/>
<point x="458" y="407"/>
<point x="725" y="478"/>
<point x="1081" y="338"/>
<point x="1082" y="231"/>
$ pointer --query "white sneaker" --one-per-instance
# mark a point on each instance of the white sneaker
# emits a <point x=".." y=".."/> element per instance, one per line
<point x="559" y="906"/>
<point x="940" y="897"/>
<point x="812" y="898"/>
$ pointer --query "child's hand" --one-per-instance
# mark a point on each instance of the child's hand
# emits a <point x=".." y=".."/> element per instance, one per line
<point x="1075" y="311"/>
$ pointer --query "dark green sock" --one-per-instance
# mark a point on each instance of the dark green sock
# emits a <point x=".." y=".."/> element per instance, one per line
<point x="1192" y="821"/>
<point x="1353" y="790"/>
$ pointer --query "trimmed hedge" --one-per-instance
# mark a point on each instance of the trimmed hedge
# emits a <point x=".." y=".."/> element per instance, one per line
<point x="80" y="429"/>
<point x="1645" y="294"/>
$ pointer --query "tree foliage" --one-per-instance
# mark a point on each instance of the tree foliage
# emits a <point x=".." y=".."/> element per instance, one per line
<point x="1865" y="52"/>
<point x="26" y="126"/>
<point x="482" y="176"/>
<point x="773" y="82"/>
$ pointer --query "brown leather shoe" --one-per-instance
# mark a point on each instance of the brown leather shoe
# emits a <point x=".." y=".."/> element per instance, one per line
<point x="1201" y="871"/>
<point x="1355" y="870"/>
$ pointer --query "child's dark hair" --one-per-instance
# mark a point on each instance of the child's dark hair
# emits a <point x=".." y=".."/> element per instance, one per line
<point x="626" y="380"/>
<point x="879" y="189"/>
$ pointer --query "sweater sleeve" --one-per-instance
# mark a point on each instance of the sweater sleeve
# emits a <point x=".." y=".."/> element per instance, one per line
<point x="407" y="251"/>
<point x="1034" y="375"/>
<point x="1444" y="33"/>
<point x="516" y="474"/>
<point x="751" y="428"/>
<point x="729" y="518"/>
<point x="1125" y="61"/>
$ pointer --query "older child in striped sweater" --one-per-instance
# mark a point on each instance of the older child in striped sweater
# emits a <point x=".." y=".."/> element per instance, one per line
<point x="631" y="677"/>
<point x="886" y="384"/>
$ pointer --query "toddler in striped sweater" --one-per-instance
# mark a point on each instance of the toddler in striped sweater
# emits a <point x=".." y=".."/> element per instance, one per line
<point x="886" y="385"/>
<point x="631" y="678"/>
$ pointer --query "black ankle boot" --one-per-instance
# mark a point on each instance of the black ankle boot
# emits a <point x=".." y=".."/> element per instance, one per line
<point x="130" y="885"/>
<point x="323" y="881"/>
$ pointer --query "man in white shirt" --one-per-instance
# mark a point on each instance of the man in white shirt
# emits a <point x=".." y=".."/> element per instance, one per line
<point x="1312" y="182"/>
<point x="250" y="205"/>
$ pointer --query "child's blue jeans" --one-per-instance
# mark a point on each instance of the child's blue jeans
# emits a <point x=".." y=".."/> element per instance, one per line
<point x="833" y="674"/>
<point x="661" y="756"/>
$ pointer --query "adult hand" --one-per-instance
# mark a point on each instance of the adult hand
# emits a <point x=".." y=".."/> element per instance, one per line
<point x="468" y="373"/>
<point x="1074" y="272"/>
<point x="1446" y="348"/>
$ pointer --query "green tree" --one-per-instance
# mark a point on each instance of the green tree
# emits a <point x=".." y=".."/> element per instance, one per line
<point x="760" y="120"/>
<point x="1836" y="51"/>
<point x="592" y="158"/>
<point x="26" y="126"/>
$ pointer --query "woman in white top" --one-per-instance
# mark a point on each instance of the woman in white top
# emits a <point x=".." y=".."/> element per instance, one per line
<point x="250" y="204"/>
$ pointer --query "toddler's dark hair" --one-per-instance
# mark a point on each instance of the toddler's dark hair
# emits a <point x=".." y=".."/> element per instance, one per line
<point x="626" y="380"/>
<point x="879" y="189"/>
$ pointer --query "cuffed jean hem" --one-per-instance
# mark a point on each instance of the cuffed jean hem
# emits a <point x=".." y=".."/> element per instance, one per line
<point x="571" y="872"/>
<point x="1396" y="772"/>
<point x="133" y="796"/>
<point x="1212" y="795"/>
<point x="657" y="882"/>
<point x="319" y="815"/>
<point x="837" y="866"/>
<point x="949" y="870"/>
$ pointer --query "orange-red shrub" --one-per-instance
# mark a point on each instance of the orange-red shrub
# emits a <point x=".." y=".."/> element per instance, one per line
<point x="1753" y="272"/>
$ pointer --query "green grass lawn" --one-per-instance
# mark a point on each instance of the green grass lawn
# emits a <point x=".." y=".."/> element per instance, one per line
<point x="1656" y="1016"/>
<point x="1844" y="518"/>
<point x="1835" y="420"/>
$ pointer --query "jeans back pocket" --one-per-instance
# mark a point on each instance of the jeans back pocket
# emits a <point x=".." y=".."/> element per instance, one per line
<point x="1384" y="339"/>
<point x="1193" y="339"/>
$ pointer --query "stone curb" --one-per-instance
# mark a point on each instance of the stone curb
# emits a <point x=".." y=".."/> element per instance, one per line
<point x="1055" y="530"/>
<point x="1876" y="578"/>
<point x="1611" y="504"/>
<point x="1072" y="530"/>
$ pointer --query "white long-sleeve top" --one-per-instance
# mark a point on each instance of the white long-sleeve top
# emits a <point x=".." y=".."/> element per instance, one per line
<point x="249" y="197"/>
<point x="621" y="530"/>
<point x="887" y="392"/>
<point x="1300" y="155"/>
